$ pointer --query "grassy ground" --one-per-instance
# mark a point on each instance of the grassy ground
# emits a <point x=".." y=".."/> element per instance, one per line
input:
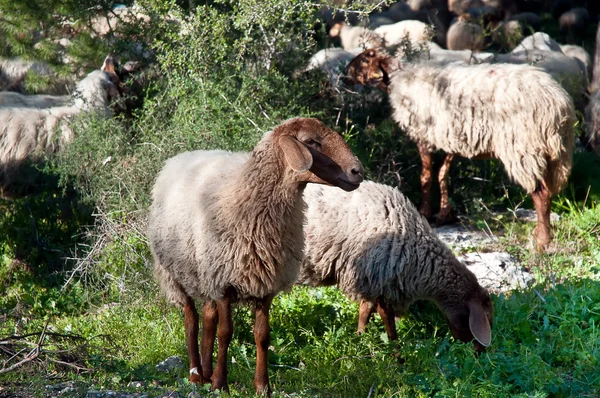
<point x="546" y="340"/>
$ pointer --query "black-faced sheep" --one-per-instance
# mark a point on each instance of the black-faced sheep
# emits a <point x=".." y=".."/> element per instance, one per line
<point x="227" y="227"/>
<point x="375" y="246"/>
<point x="27" y="128"/>
<point x="516" y="113"/>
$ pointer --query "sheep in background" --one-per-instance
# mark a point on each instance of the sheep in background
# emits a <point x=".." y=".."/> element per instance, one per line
<point x="537" y="41"/>
<point x="570" y="73"/>
<point x="331" y="61"/>
<point x="227" y="227"/>
<point x="392" y="35"/>
<point x="355" y="36"/>
<point x="516" y="113"/>
<point x="465" y="35"/>
<point x="13" y="72"/>
<point x="26" y="131"/>
<point x="375" y="246"/>
<point x="574" y="22"/>
<point x="578" y="53"/>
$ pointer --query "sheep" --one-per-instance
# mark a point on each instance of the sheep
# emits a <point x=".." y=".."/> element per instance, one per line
<point x="567" y="71"/>
<point x="579" y="54"/>
<point x="27" y="131"/>
<point x="331" y="61"/>
<point x="537" y="41"/>
<point x="516" y="113"/>
<point x="574" y="22"/>
<point x="13" y="72"/>
<point x="375" y="246"/>
<point x="355" y="36"/>
<point x="226" y="227"/>
<point x="592" y="123"/>
<point x="529" y="20"/>
<point x="465" y="35"/>
<point x="392" y="35"/>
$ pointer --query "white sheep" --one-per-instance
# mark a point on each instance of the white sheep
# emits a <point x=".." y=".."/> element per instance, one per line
<point x="392" y="35"/>
<point x="331" y="61"/>
<point x="27" y="130"/>
<point x="537" y="41"/>
<point x="375" y="246"/>
<point x="516" y="113"/>
<point x="579" y="54"/>
<point x="567" y="71"/>
<point x="227" y="227"/>
<point x="355" y="36"/>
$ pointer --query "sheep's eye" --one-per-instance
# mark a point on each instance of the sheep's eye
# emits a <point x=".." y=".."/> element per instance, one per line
<point x="313" y="143"/>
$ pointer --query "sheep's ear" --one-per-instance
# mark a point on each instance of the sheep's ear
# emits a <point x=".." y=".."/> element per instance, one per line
<point x="335" y="29"/>
<point x="108" y="65"/>
<point x="296" y="154"/>
<point x="479" y="323"/>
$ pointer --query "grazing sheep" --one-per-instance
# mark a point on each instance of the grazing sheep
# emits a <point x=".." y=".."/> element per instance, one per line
<point x="415" y="31"/>
<point x="516" y="113"/>
<point x="227" y="227"/>
<point x="27" y="131"/>
<point x="355" y="36"/>
<point x="331" y="61"/>
<point x="537" y="41"/>
<point x="392" y="259"/>
<point x="592" y="123"/>
<point x="579" y="54"/>
<point x="574" y="22"/>
<point x="465" y="35"/>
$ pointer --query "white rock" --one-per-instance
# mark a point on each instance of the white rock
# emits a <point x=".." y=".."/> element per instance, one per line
<point x="497" y="271"/>
<point x="171" y="363"/>
<point x="458" y="237"/>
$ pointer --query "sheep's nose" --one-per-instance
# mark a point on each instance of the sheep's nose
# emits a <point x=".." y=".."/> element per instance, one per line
<point x="357" y="173"/>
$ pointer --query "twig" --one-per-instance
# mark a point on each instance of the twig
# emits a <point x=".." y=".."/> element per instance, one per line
<point x="72" y="365"/>
<point x="371" y="390"/>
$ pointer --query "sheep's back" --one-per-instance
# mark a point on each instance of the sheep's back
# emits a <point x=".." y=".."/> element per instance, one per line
<point x="517" y="113"/>
<point x="369" y="242"/>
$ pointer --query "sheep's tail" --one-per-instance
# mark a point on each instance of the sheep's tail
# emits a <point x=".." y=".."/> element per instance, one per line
<point x="560" y="156"/>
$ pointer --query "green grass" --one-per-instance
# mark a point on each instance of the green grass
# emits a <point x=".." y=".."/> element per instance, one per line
<point x="546" y="340"/>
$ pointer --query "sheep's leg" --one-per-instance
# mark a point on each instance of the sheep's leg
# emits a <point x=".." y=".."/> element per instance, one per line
<point x="388" y="318"/>
<point x="542" y="199"/>
<point x="262" y="337"/>
<point x="224" y="334"/>
<point x="210" y="317"/>
<point x="445" y="214"/>
<point x="191" y="337"/>
<point x="366" y="308"/>
<point x="426" y="171"/>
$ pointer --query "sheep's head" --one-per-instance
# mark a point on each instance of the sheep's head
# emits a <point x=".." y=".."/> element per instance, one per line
<point x="317" y="154"/>
<point x="370" y="68"/>
<point x="470" y="316"/>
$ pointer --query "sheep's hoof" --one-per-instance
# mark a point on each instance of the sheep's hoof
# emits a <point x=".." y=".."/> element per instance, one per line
<point x="196" y="379"/>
